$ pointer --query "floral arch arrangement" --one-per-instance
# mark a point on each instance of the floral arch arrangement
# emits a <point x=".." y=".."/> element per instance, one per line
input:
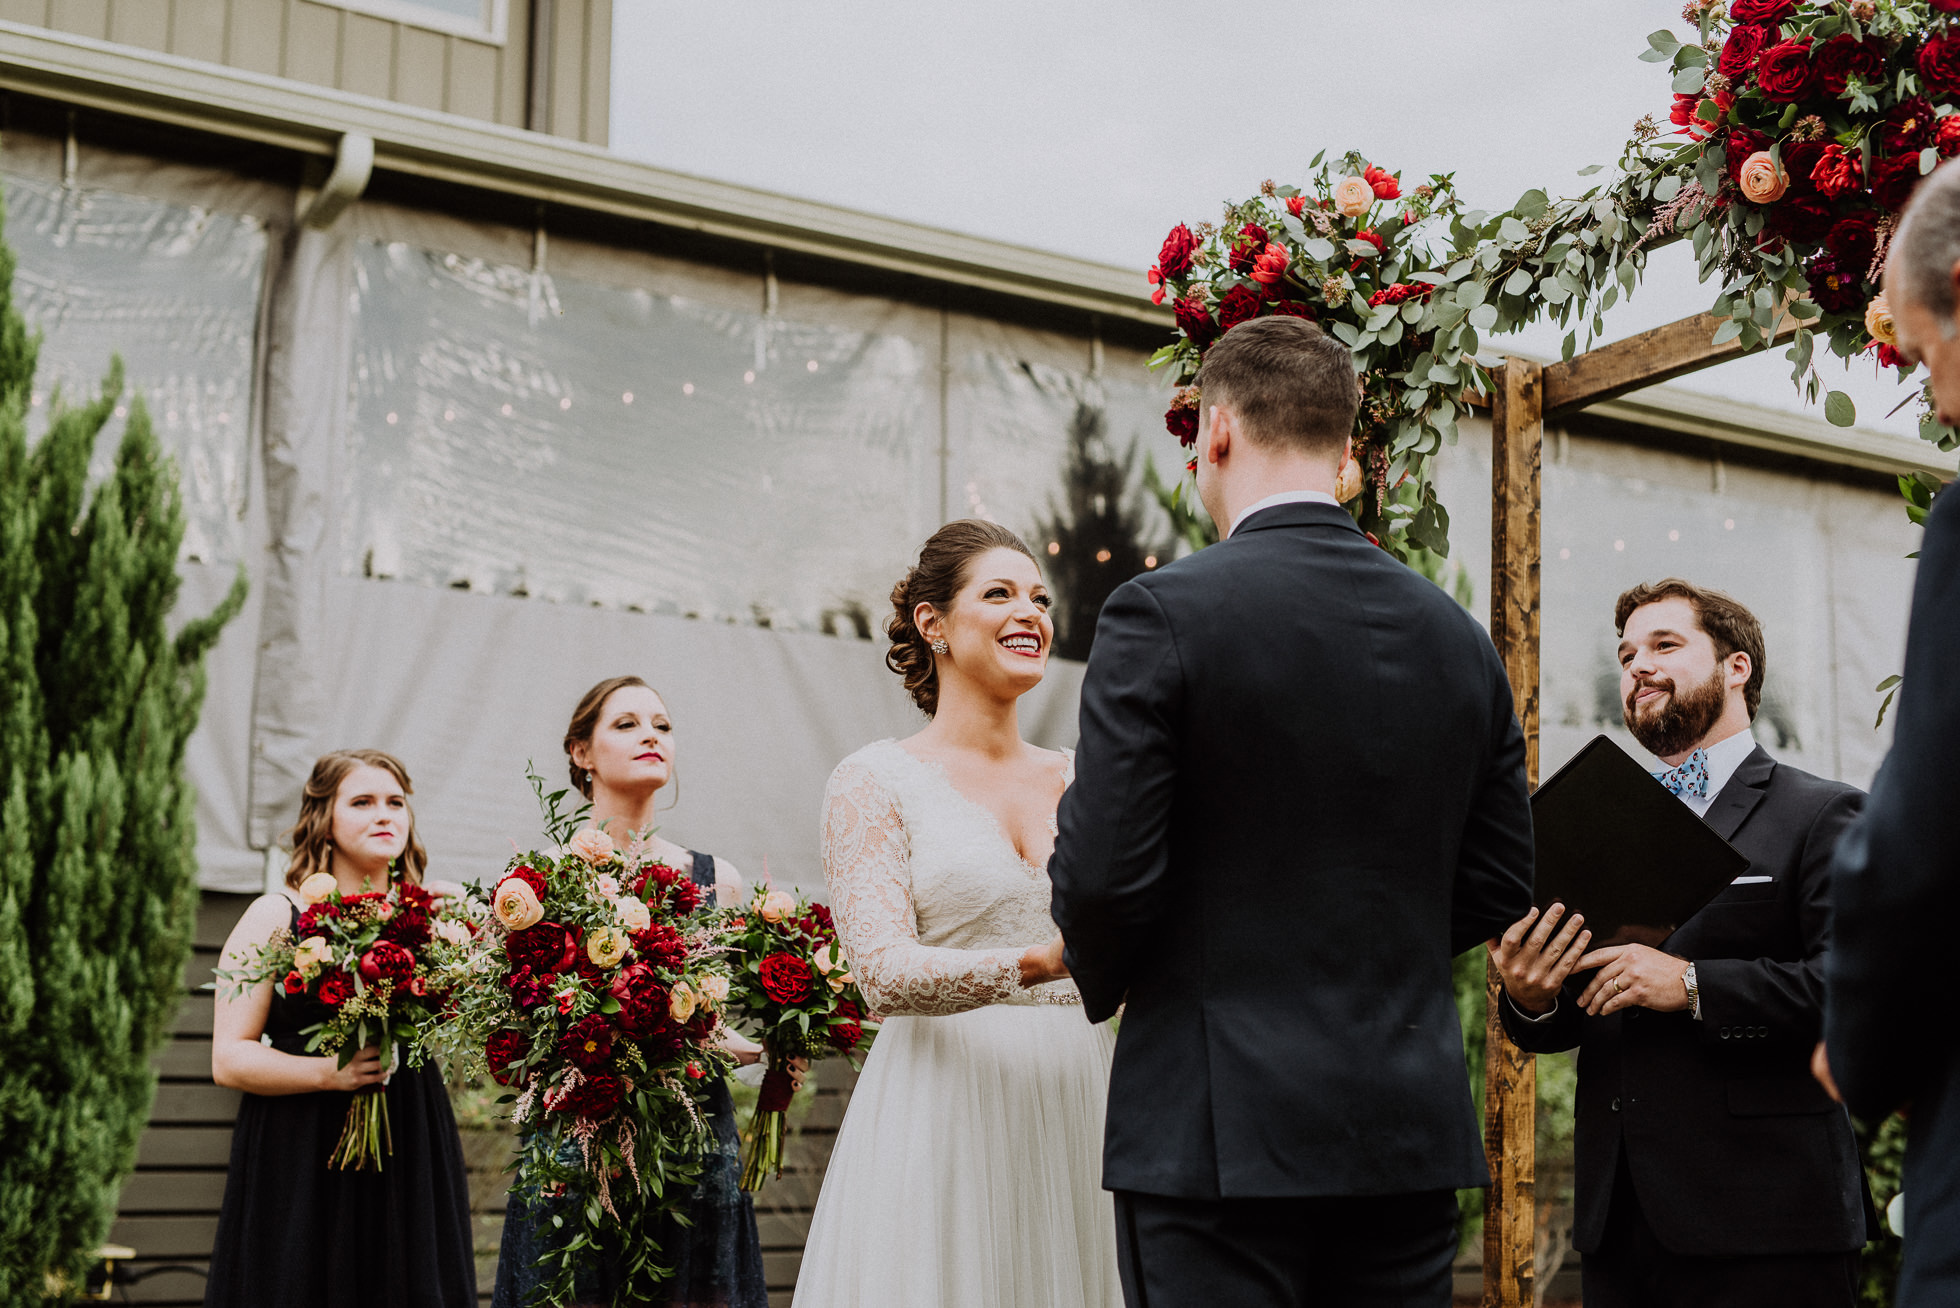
<point x="1798" y="134"/>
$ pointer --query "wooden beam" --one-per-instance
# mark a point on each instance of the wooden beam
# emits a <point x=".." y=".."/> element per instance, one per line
<point x="1510" y="1074"/>
<point x="1648" y="359"/>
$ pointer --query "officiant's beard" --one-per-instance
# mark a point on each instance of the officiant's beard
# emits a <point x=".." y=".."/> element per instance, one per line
<point x="1673" y="726"/>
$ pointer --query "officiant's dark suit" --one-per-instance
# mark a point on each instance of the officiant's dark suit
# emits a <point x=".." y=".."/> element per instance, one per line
<point x="1299" y="793"/>
<point x="1893" y="1038"/>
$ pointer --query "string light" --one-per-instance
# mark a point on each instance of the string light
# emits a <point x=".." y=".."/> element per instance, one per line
<point x="687" y="388"/>
<point x="1102" y="556"/>
<point x="627" y="398"/>
<point x="392" y="419"/>
<point x="565" y="403"/>
<point x="748" y="376"/>
<point x="1673" y="534"/>
<point x="506" y="411"/>
<point x="1054" y="547"/>
<point x="1150" y="560"/>
<point x="1619" y="545"/>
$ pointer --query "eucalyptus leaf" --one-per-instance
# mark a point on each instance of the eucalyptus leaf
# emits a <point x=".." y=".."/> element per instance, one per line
<point x="1319" y="249"/>
<point x="1346" y="331"/>
<point x="1690" y="80"/>
<point x="1516" y="284"/>
<point x="1727" y="332"/>
<point x="1513" y="231"/>
<point x="1484" y="317"/>
<point x="1839" y="411"/>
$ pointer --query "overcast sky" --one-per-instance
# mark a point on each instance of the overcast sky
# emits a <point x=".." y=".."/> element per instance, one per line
<point x="1089" y="127"/>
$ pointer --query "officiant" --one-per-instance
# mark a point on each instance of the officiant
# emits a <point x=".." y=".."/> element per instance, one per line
<point x="1710" y="1169"/>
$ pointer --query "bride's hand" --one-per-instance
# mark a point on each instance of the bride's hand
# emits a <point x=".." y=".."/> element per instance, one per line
<point x="1043" y="963"/>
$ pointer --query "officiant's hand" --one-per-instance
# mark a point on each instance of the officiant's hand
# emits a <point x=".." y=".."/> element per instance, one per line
<point x="1043" y="963"/>
<point x="1633" y="976"/>
<point x="1536" y="955"/>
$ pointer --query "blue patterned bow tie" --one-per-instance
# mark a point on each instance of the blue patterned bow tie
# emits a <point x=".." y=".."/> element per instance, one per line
<point x="1691" y="778"/>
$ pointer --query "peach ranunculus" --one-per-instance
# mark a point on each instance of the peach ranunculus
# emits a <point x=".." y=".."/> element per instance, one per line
<point x="680" y="1002"/>
<point x="592" y="845"/>
<point x="608" y="885"/>
<point x="1878" y="321"/>
<point x="1353" y="196"/>
<point x="842" y="979"/>
<point x="1347" y="482"/>
<point x="317" y="887"/>
<point x="777" y="905"/>
<point x="516" y="904"/>
<point x="826" y="959"/>
<point x="1762" y="182"/>
<point x="605" y="946"/>
<point x="633" y="912"/>
<point x="450" y="931"/>
<point x="313" y="952"/>
<point x="714" y="989"/>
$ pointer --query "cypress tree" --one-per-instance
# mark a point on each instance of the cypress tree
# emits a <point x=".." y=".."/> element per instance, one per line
<point x="98" y="875"/>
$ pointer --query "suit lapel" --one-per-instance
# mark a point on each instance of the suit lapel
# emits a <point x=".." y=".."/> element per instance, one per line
<point x="1738" y="799"/>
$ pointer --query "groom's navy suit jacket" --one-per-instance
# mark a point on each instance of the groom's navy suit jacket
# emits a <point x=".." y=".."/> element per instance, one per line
<point x="1300" y="791"/>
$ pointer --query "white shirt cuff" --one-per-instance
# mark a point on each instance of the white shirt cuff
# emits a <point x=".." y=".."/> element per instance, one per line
<point x="1531" y="1017"/>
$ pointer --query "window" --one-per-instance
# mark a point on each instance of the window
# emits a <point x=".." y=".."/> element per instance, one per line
<point x="484" y="20"/>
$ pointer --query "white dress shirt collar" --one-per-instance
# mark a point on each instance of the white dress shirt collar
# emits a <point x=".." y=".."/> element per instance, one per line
<point x="1724" y="758"/>
<point x="1283" y="497"/>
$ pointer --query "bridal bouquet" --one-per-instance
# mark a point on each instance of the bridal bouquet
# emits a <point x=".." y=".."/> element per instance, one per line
<point x="373" y="959"/>
<point x="591" y="994"/>
<point x="796" y="992"/>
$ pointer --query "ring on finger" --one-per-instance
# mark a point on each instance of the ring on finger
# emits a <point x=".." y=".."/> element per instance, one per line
<point x="1618" y="987"/>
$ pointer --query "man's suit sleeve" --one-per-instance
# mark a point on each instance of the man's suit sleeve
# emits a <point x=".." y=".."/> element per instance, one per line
<point x="1556" y="1032"/>
<point x="1895" y="882"/>
<point x="1111" y="863"/>
<point x="1786" y="998"/>
<point x="1494" y="862"/>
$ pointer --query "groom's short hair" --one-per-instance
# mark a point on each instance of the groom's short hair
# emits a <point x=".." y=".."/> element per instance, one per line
<point x="1291" y="384"/>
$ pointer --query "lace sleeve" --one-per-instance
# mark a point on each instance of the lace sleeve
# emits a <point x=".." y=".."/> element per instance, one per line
<point x="865" y="864"/>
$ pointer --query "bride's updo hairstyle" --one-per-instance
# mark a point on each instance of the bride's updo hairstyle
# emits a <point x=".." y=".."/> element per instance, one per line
<point x="945" y="565"/>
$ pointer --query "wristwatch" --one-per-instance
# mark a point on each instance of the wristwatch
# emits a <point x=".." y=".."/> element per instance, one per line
<point x="1693" y="988"/>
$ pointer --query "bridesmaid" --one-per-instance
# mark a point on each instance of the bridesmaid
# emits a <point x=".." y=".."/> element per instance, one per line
<point x="294" y="1231"/>
<point x="621" y="748"/>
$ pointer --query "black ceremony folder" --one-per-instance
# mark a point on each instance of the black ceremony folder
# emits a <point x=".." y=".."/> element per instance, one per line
<point x="1615" y="845"/>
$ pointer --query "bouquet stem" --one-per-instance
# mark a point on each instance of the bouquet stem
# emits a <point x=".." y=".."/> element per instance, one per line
<point x="366" y="1137"/>
<point x="762" y="1151"/>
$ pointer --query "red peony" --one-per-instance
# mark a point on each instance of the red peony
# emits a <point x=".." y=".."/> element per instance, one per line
<point x="1946" y="136"/>
<point x="589" y="1043"/>
<point x="1946" y="6"/>
<point x="1767" y="12"/>
<point x="595" y="1097"/>
<point x="1271" y="264"/>
<point x="1246" y="246"/>
<point x="818" y="923"/>
<point x="387" y="961"/>
<point x="1834" y="288"/>
<point x="545" y="947"/>
<point x="1785" y="72"/>
<point x="1181" y="421"/>
<point x="1800" y="218"/>
<point x="1386" y="184"/>
<point x="642" y="999"/>
<point x="1240" y="304"/>
<point x="336" y="988"/>
<point x="502" y="1050"/>
<point x="409" y="926"/>
<point x="311" y="920"/>
<point x="1893" y="181"/>
<point x="1853" y="239"/>
<point x="1179" y="246"/>
<point x="1194" y="320"/>
<point x="1907" y="129"/>
<point x="1281" y="309"/>
<point x="785" y="978"/>
<point x="662" y="946"/>
<point x="528" y="991"/>
<point x="1939" y="67"/>
<point x="1799" y="162"/>
<point x="1844" y="57"/>
<point x="1741" y="143"/>
<point x="1836" y="172"/>
<point x="846" y="1026"/>
<point x="1741" y="50"/>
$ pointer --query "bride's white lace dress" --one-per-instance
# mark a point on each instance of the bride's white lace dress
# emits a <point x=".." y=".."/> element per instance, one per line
<point x="967" y="1171"/>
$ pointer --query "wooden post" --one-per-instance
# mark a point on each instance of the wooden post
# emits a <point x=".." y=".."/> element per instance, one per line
<point x="1510" y="1076"/>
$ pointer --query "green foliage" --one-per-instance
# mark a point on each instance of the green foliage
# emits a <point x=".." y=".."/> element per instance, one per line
<point x="1883" y="1150"/>
<point x="1192" y="524"/>
<point x="97" y="868"/>
<point x="1097" y="536"/>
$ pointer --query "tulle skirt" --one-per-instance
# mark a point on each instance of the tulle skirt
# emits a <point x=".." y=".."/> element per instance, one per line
<point x="967" y="1173"/>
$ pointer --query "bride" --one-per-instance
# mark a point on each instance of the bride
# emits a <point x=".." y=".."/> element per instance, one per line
<point x="966" y="1173"/>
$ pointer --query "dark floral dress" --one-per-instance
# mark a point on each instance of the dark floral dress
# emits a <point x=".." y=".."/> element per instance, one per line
<point x="717" y="1259"/>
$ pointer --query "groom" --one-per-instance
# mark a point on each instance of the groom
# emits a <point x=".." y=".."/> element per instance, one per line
<point x="1300" y="792"/>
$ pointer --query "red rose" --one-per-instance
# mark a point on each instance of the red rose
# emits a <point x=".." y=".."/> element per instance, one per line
<point x="589" y="1043"/>
<point x="544" y="947"/>
<point x="1800" y="218"/>
<point x="1854" y="238"/>
<point x="785" y="978"/>
<point x="1179" y="246"/>
<point x="1741" y="143"/>
<point x="1195" y="321"/>
<point x="1799" y="162"/>
<point x="1946" y="136"/>
<point x="1834" y="288"/>
<point x="502" y="1050"/>
<point x="662" y="946"/>
<point x="1836" y="172"/>
<point x="1893" y="181"/>
<point x="336" y="988"/>
<point x="1281" y="309"/>
<point x="1240" y="304"/>
<point x="1181" y="421"/>
<point x="1843" y="57"/>
<point x="1767" y="12"/>
<point x="1387" y="186"/>
<point x="1246" y="246"/>
<point x="642" y="999"/>
<point x="1939" y="67"/>
<point x="387" y="961"/>
<point x="1785" y="72"/>
<point x="1741" y="50"/>
<point x="595" y="1097"/>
